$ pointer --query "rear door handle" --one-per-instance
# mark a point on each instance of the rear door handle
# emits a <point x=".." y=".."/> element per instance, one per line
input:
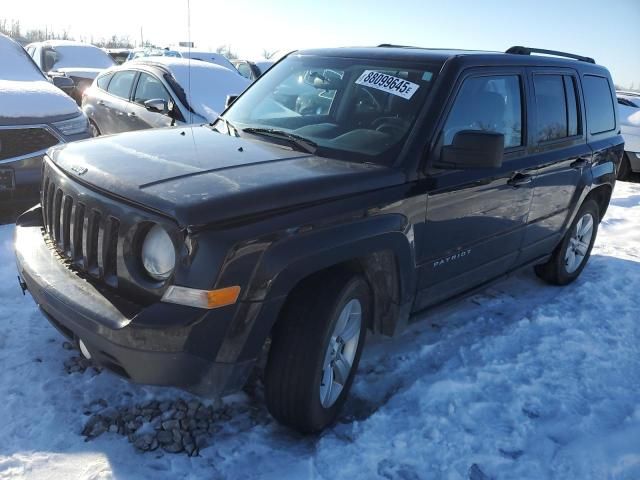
<point x="100" y="102"/>
<point x="579" y="163"/>
<point x="131" y="114"/>
<point x="520" y="179"/>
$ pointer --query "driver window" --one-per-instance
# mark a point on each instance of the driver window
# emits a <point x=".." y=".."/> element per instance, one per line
<point x="150" y="88"/>
<point x="491" y="103"/>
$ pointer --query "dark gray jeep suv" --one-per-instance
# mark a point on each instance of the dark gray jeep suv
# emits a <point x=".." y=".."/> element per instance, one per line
<point x="293" y="225"/>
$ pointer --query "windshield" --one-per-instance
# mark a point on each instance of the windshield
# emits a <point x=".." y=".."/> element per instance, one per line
<point x="77" y="56"/>
<point x="351" y="109"/>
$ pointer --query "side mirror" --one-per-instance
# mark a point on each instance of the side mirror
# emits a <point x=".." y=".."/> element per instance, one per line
<point x="65" y="84"/>
<point x="157" y="105"/>
<point x="473" y="149"/>
<point x="230" y="99"/>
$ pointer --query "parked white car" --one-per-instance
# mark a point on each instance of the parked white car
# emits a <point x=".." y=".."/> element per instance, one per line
<point x="181" y="52"/>
<point x="79" y="61"/>
<point x="629" y="108"/>
<point x="153" y="92"/>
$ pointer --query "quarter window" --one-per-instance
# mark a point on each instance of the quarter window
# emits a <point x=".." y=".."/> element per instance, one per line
<point x="150" y="88"/>
<point x="120" y="84"/>
<point x="103" y="81"/>
<point x="491" y="103"/>
<point x="597" y="95"/>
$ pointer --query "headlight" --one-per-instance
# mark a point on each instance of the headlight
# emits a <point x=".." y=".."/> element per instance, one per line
<point x="73" y="126"/>
<point x="158" y="253"/>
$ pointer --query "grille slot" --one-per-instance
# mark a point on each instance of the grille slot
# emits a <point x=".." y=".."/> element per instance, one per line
<point x="86" y="237"/>
<point x="17" y="142"/>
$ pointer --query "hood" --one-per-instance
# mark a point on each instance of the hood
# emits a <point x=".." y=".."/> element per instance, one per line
<point x="82" y="72"/>
<point x="199" y="176"/>
<point x="33" y="99"/>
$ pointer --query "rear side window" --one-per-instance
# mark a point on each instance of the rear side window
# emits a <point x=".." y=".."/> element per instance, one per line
<point x="491" y="103"/>
<point x="120" y="84"/>
<point x="103" y="81"/>
<point x="597" y="95"/>
<point x="556" y="107"/>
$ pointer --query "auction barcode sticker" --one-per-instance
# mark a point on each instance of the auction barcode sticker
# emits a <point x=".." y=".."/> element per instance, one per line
<point x="388" y="83"/>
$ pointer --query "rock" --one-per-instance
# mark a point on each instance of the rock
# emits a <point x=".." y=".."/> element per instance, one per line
<point x="67" y="346"/>
<point x="164" y="437"/>
<point x="154" y="445"/>
<point x="202" y="441"/>
<point x="170" y="424"/>
<point x="113" y="428"/>
<point x="173" y="448"/>
<point x="142" y="443"/>
<point x="475" y="473"/>
<point x="180" y="405"/>
<point x="194" y="404"/>
<point x="164" y="406"/>
<point x="177" y="435"/>
<point x="98" y="429"/>
<point x="179" y="415"/>
<point x="190" y="448"/>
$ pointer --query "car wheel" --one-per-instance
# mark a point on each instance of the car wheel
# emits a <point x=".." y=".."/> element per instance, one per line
<point x="95" y="132"/>
<point x="315" y="350"/>
<point x="570" y="257"/>
<point x="625" y="168"/>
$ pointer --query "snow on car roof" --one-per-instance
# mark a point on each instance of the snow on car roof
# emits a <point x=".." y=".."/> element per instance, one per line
<point x="24" y="89"/>
<point x="210" y="83"/>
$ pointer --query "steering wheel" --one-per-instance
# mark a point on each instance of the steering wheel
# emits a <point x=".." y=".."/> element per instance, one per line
<point x="390" y="125"/>
<point x="372" y="101"/>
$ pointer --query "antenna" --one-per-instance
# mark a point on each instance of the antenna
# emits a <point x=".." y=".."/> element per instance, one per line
<point x="189" y="58"/>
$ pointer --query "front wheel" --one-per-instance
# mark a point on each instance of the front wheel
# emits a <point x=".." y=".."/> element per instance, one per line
<point x="315" y="350"/>
<point x="570" y="257"/>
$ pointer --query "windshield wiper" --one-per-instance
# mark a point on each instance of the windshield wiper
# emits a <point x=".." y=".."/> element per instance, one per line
<point x="230" y="126"/>
<point x="305" y="144"/>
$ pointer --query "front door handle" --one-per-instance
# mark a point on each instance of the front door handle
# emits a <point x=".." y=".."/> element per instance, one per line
<point x="100" y="102"/>
<point x="519" y="179"/>
<point x="580" y="163"/>
<point x="131" y="114"/>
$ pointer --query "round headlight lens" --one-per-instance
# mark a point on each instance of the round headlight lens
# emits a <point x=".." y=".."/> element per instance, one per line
<point x="158" y="253"/>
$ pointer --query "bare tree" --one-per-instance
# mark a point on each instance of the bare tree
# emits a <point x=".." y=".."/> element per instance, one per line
<point x="266" y="53"/>
<point x="226" y="51"/>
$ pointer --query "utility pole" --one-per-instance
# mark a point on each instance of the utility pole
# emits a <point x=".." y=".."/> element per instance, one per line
<point x="141" y="37"/>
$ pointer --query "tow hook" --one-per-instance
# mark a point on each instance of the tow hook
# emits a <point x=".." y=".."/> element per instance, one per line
<point x="23" y="285"/>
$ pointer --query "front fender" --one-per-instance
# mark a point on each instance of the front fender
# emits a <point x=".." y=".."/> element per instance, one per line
<point x="287" y="262"/>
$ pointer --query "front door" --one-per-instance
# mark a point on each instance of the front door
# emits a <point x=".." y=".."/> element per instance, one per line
<point x="476" y="217"/>
<point x="148" y="87"/>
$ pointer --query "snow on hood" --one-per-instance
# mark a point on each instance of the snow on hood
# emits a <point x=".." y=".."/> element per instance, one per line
<point x="24" y="90"/>
<point x="210" y="84"/>
<point x="632" y="118"/>
<point x="81" y="72"/>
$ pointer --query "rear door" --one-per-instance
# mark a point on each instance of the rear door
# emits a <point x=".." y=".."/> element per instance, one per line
<point x="148" y="87"/>
<point x="116" y="103"/>
<point x="561" y="152"/>
<point x="476" y="217"/>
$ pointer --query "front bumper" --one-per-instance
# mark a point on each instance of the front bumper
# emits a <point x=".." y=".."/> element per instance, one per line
<point x="158" y="344"/>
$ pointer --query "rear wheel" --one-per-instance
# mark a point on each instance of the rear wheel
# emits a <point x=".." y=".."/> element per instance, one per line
<point x="625" y="168"/>
<point x="315" y="350"/>
<point x="95" y="132"/>
<point x="570" y="257"/>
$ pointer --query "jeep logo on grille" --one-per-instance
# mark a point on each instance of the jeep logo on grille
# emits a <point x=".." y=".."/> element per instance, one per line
<point x="79" y="170"/>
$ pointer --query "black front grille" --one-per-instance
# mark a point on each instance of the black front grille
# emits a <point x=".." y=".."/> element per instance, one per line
<point x="86" y="237"/>
<point x="17" y="142"/>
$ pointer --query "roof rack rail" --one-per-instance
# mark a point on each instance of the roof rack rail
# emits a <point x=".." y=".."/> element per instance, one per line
<point x="528" y="51"/>
<point x="391" y="45"/>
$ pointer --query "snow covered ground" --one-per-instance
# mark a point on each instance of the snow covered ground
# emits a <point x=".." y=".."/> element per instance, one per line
<point x="521" y="381"/>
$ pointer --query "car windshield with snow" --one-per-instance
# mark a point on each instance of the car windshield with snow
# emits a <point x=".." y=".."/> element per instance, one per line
<point x="344" y="192"/>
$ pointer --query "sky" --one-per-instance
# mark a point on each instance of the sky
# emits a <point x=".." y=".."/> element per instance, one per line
<point x="608" y="30"/>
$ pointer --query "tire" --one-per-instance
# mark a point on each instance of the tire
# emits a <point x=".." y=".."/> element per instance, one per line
<point x="625" y="168"/>
<point x="95" y="131"/>
<point x="560" y="270"/>
<point x="295" y="376"/>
